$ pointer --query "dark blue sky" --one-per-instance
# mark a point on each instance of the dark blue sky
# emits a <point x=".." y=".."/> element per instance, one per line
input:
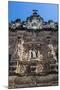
<point x="24" y="9"/>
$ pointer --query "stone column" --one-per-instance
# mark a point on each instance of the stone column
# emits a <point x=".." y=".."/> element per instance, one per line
<point x="22" y="49"/>
<point x="38" y="55"/>
<point x="18" y="67"/>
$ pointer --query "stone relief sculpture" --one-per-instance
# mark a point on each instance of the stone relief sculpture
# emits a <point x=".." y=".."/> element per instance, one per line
<point x="25" y="55"/>
<point x="35" y="21"/>
<point x="32" y="53"/>
<point x="20" y="49"/>
<point x="52" y="52"/>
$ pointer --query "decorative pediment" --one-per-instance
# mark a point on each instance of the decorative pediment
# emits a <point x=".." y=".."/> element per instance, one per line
<point x="35" y="21"/>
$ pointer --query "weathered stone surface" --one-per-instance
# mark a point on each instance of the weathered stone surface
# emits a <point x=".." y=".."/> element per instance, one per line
<point x="33" y="53"/>
<point x="50" y="79"/>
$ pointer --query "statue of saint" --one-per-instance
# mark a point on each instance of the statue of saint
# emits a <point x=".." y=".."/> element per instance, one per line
<point x="33" y="53"/>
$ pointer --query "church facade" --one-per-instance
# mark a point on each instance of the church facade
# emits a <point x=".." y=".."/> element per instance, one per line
<point x="33" y="46"/>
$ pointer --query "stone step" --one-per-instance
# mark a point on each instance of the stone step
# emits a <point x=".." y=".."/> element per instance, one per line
<point x="28" y="81"/>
